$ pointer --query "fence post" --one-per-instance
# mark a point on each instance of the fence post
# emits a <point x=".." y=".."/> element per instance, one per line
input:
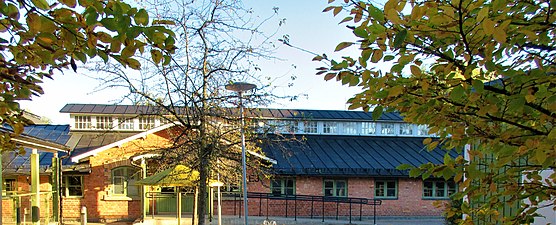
<point x="83" y="215"/>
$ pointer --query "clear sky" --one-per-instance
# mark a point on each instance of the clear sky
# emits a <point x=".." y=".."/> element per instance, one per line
<point x="307" y="26"/>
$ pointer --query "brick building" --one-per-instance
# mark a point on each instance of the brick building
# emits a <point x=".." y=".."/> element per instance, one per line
<point x="339" y="155"/>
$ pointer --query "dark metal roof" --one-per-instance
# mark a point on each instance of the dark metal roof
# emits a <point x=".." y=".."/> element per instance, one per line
<point x="14" y="162"/>
<point x="319" y="155"/>
<point x="90" y="141"/>
<point x="258" y="112"/>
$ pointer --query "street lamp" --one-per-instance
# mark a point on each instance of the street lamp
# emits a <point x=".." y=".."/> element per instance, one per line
<point x="241" y="87"/>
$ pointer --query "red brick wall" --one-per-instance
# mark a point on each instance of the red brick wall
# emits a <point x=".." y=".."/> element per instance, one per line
<point x="101" y="204"/>
<point x="408" y="203"/>
<point x="23" y="187"/>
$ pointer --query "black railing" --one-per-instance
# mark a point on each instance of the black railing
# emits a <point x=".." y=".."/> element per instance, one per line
<point x="307" y="198"/>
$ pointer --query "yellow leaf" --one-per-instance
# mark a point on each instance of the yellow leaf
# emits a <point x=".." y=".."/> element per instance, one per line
<point x="488" y="26"/>
<point x="377" y="55"/>
<point x="395" y="91"/>
<point x="483" y="13"/>
<point x="416" y="71"/>
<point x="500" y="35"/>
<point x="427" y="141"/>
<point x="393" y="16"/>
<point x="552" y="134"/>
<point x="530" y="98"/>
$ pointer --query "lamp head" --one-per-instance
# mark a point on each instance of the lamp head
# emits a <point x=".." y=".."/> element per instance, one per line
<point x="240" y="86"/>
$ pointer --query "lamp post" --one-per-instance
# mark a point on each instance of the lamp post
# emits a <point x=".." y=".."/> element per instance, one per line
<point x="241" y="87"/>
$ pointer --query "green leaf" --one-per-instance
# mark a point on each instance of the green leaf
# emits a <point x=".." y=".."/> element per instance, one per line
<point x="361" y="32"/>
<point x="388" y="58"/>
<point x="400" y="38"/>
<point x="133" y="63"/>
<point x="343" y="45"/>
<point x="156" y="56"/>
<point x="142" y="17"/>
<point x="41" y="4"/>
<point x="376" y="13"/>
<point x="69" y="3"/>
<point x="377" y="112"/>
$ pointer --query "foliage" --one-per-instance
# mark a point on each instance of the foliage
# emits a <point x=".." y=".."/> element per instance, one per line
<point x="37" y="38"/>
<point x="480" y="74"/>
<point x="216" y="44"/>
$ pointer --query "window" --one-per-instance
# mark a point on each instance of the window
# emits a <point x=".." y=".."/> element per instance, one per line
<point x="368" y="128"/>
<point x="284" y="186"/>
<point x="73" y="186"/>
<point x="335" y="188"/>
<point x="406" y="129"/>
<point x="125" y="123"/>
<point x="82" y="122"/>
<point x="386" y="188"/>
<point x="146" y="123"/>
<point x="9" y="184"/>
<point x="349" y="128"/>
<point x="310" y="127"/>
<point x="123" y="181"/>
<point x="438" y="188"/>
<point x="422" y="130"/>
<point x="285" y="126"/>
<point x="330" y="127"/>
<point x="387" y="128"/>
<point x="104" y="122"/>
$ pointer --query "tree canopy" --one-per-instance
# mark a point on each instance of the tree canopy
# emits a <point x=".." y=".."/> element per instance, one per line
<point x="38" y="38"/>
<point x="480" y="74"/>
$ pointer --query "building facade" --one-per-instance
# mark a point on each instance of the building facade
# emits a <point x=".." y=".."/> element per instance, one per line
<point x="339" y="156"/>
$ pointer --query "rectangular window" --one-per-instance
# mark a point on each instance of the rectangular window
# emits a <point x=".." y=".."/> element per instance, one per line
<point x="104" y="122"/>
<point x="9" y="184"/>
<point x="330" y="127"/>
<point x="438" y="188"/>
<point x="310" y="127"/>
<point x="387" y="128"/>
<point x="406" y="129"/>
<point x="123" y="181"/>
<point x="284" y="186"/>
<point x="368" y="128"/>
<point x="335" y="188"/>
<point x="82" y="122"/>
<point x="285" y="126"/>
<point x="349" y="128"/>
<point x="125" y="123"/>
<point x="386" y="188"/>
<point x="422" y="130"/>
<point x="146" y="123"/>
<point x="73" y="186"/>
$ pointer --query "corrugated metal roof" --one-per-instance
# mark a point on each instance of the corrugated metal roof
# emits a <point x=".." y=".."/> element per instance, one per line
<point x="258" y="112"/>
<point x="14" y="162"/>
<point x="319" y="155"/>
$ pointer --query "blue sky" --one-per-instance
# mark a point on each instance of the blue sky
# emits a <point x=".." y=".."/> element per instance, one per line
<point x="307" y="28"/>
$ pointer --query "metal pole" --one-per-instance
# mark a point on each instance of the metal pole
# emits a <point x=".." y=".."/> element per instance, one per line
<point x="144" y="201"/>
<point x="244" y="164"/>
<point x="56" y="188"/>
<point x="1" y="183"/>
<point x="219" y="205"/>
<point x="35" y="198"/>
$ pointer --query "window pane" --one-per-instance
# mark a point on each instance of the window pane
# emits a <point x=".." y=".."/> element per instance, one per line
<point x="440" y="188"/>
<point x="74" y="180"/>
<point x="406" y="129"/>
<point x="75" y="191"/>
<point x="379" y="189"/>
<point x="276" y="187"/>
<point x="330" y="127"/>
<point x="349" y="128"/>
<point x="368" y="128"/>
<point x="451" y="188"/>
<point x="118" y="185"/>
<point x="422" y="130"/>
<point x="125" y="123"/>
<point x="427" y="189"/>
<point x="341" y="188"/>
<point x="104" y="122"/>
<point x="387" y="128"/>
<point x="310" y="127"/>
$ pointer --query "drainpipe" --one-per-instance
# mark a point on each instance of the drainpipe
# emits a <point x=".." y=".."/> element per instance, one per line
<point x="56" y="193"/>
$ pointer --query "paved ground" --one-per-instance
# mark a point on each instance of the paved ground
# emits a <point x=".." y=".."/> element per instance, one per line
<point x="234" y="220"/>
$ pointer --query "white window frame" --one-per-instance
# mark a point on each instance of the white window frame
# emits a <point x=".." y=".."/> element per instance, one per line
<point x="82" y="122"/>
